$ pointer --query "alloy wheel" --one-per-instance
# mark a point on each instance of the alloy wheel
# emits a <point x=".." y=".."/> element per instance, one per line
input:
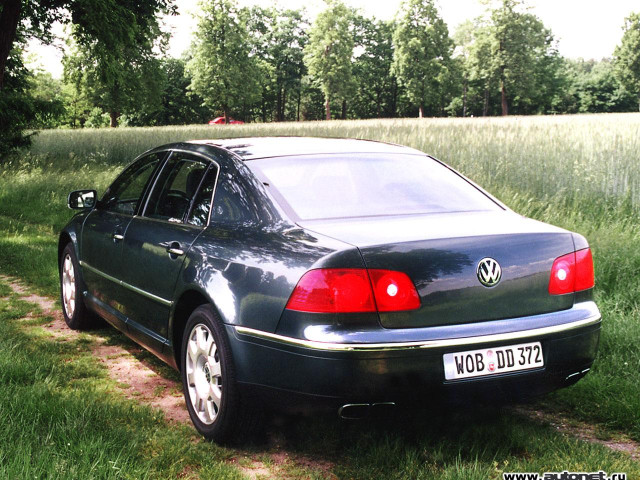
<point x="204" y="374"/>
<point x="68" y="286"/>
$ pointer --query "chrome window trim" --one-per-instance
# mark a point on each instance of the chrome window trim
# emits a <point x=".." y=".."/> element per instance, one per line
<point x="167" y="222"/>
<point x="420" y="345"/>
<point x="144" y="293"/>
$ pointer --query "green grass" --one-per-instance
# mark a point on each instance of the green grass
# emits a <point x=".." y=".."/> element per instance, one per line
<point x="59" y="417"/>
<point x="578" y="172"/>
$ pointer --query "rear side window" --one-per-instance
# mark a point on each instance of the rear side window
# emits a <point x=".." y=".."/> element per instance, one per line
<point x="201" y="207"/>
<point x="360" y="185"/>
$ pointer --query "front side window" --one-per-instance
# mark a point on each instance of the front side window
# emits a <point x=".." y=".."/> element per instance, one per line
<point x="176" y="187"/>
<point x="125" y="193"/>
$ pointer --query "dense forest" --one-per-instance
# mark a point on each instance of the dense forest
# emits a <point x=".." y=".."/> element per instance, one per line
<point x="265" y="65"/>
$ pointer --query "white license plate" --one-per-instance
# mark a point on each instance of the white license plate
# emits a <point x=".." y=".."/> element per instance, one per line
<point x="492" y="361"/>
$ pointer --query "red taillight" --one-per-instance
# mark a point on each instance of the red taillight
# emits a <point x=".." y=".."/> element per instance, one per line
<point x="584" y="270"/>
<point x="333" y="290"/>
<point x="393" y="291"/>
<point x="572" y="273"/>
<point x="348" y="290"/>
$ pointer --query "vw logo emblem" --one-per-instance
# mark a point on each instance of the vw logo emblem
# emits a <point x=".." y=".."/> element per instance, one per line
<point x="489" y="272"/>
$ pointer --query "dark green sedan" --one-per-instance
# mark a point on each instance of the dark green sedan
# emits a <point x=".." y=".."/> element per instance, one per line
<point x="349" y="274"/>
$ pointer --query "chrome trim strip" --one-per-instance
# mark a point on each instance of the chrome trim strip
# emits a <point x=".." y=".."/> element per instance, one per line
<point x="426" y="344"/>
<point x="215" y="185"/>
<point x="139" y="291"/>
<point x="102" y="274"/>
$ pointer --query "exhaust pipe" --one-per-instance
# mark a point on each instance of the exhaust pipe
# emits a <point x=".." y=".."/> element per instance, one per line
<point x="358" y="411"/>
<point x="582" y="372"/>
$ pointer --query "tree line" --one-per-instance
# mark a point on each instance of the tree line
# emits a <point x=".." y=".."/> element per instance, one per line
<point x="268" y="64"/>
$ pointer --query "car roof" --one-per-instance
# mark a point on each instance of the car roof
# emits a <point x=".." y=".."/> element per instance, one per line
<point x="251" y="148"/>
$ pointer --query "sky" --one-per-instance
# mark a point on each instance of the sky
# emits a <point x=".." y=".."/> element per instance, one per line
<point x="583" y="28"/>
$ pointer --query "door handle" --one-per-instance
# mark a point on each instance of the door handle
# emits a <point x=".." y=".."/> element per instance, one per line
<point x="174" y="249"/>
<point x="118" y="237"/>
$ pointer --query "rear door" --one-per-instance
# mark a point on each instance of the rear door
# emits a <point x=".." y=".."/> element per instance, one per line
<point x="103" y="233"/>
<point x="156" y="243"/>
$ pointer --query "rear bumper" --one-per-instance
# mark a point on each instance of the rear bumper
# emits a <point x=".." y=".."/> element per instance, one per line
<point x="295" y="370"/>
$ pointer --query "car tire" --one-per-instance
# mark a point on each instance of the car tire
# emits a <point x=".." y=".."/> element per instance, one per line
<point x="76" y="314"/>
<point x="215" y="404"/>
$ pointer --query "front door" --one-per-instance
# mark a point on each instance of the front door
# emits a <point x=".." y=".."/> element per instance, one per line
<point x="103" y="234"/>
<point x="156" y="243"/>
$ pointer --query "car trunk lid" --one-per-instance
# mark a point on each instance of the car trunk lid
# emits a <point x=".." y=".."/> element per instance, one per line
<point x="441" y="253"/>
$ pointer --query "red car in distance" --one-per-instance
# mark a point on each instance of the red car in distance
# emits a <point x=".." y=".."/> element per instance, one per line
<point x="220" y="121"/>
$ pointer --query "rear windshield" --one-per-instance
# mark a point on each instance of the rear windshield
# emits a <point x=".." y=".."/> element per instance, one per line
<point x="360" y="185"/>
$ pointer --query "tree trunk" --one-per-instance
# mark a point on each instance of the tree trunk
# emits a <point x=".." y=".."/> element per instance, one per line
<point x="505" y="108"/>
<point x="394" y="101"/>
<point x="421" y="111"/>
<point x="226" y="118"/>
<point x="114" y="116"/>
<point x="639" y="101"/>
<point x="327" y="109"/>
<point x="464" y="98"/>
<point x="298" y="107"/>
<point x="503" y="90"/>
<point x="279" y="105"/>
<point x="284" y="105"/>
<point x="114" y="119"/>
<point x="9" y="19"/>
<point x="485" y="107"/>
<point x="344" y="109"/>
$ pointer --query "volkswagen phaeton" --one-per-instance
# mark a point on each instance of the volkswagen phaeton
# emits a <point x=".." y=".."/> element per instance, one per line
<point x="345" y="273"/>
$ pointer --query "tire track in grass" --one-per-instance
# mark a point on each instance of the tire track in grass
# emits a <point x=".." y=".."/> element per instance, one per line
<point x="616" y="441"/>
<point x="143" y="382"/>
<point x="135" y="378"/>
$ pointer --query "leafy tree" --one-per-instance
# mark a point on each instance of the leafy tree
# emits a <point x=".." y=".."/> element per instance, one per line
<point x="113" y="32"/>
<point x="120" y="85"/>
<point x="49" y="92"/>
<point x="510" y="58"/>
<point x="179" y="105"/>
<point x="594" y="88"/>
<point x="377" y="89"/>
<point x="422" y="53"/>
<point x="329" y="51"/>
<point x="627" y="56"/>
<point x="279" y="38"/>
<point x="17" y="108"/>
<point x="116" y="40"/>
<point x="524" y="56"/>
<point x="481" y="73"/>
<point x="463" y="39"/>
<point x="21" y="20"/>
<point x="103" y="28"/>
<point x="20" y="109"/>
<point x="312" y="104"/>
<point x="223" y="71"/>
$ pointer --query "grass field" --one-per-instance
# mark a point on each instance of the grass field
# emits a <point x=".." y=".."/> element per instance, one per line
<point x="578" y="172"/>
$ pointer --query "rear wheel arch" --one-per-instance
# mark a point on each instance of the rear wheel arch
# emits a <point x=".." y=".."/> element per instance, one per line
<point x="188" y="301"/>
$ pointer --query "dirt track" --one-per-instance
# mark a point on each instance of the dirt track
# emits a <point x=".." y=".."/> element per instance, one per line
<point x="143" y="381"/>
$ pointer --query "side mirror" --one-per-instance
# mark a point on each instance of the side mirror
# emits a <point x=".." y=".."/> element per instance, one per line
<point x="81" y="199"/>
